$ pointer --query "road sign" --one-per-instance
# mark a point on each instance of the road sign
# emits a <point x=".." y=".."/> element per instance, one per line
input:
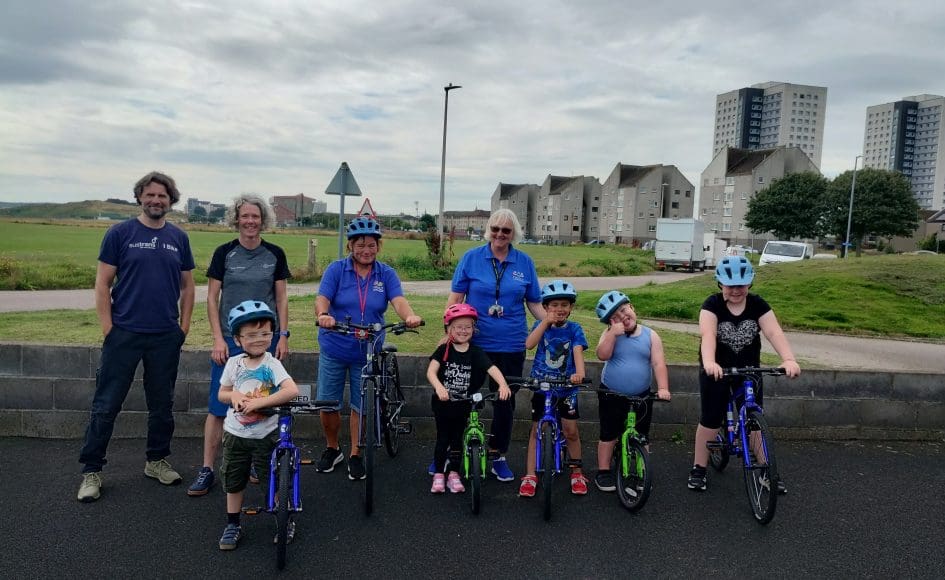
<point x="343" y="183"/>
<point x="366" y="210"/>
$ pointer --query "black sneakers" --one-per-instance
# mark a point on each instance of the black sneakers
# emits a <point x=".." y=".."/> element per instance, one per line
<point x="330" y="458"/>
<point x="605" y="480"/>
<point x="697" y="478"/>
<point x="356" y="468"/>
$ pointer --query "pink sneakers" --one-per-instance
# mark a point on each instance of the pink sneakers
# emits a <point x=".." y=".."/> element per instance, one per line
<point x="439" y="483"/>
<point x="455" y="483"/>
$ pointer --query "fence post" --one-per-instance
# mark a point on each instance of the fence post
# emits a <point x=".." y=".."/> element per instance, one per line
<point x="313" y="256"/>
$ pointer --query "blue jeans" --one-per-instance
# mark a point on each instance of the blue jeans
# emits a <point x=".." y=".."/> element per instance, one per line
<point x="331" y="381"/>
<point x="121" y="352"/>
<point x="214" y="406"/>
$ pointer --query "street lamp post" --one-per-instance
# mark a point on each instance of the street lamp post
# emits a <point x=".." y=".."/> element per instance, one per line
<point x="446" y="106"/>
<point x="846" y="244"/>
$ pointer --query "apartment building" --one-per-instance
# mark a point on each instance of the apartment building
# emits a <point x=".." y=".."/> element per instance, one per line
<point x="906" y="136"/>
<point x="522" y="199"/>
<point x="769" y="115"/>
<point x="559" y="215"/>
<point x="466" y="222"/>
<point x="633" y="197"/>
<point x="733" y="177"/>
<point x="288" y="209"/>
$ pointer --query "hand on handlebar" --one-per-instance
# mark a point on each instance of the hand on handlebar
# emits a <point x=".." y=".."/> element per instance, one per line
<point x="577" y="379"/>
<point x="413" y="321"/>
<point x="663" y="394"/>
<point x="326" y="322"/>
<point x="442" y="394"/>
<point x="504" y="393"/>
<point x="791" y="368"/>
<point x="713" y="370"/>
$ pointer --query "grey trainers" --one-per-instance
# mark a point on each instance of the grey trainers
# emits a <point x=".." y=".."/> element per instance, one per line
<point x="162" y="471"/>
<point x="231" y="537"/>
<point x="91" y="487"/>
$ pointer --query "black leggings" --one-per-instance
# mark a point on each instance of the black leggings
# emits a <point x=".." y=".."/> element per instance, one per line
<point x="509" y="364"/>
<point x="451" y="418"/>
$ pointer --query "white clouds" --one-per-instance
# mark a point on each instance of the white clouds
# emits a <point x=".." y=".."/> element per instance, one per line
<point x="244" y="96"/>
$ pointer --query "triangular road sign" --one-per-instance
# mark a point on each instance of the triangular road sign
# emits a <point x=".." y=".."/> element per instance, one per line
<point x="366" y="210"/>
<point x="343" y="183"/>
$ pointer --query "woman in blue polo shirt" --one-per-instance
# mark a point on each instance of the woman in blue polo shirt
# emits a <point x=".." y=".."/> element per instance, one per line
<point x="500" y="282"/>
<point x="359" y="287"/>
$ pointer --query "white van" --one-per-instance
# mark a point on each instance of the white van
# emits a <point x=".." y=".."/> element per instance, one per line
<point x="783" y="251"/>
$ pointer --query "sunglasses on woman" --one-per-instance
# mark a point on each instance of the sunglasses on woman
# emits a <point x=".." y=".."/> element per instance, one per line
<point x="497" y="229"/>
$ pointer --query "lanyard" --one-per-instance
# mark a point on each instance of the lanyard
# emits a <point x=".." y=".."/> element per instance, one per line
<point x="362" y="293"/>
<point x="498" y="276"/>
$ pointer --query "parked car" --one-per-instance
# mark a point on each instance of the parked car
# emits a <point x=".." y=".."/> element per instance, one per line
<point x="777" y="251"/>
<point x="824" y="256"/>
<point x="596" y="243"/>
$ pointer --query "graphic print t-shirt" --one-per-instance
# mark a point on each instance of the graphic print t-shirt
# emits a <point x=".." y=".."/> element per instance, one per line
<point x="462" y="373"/>
<point x="261" y="381"/>
<point x="553" y="356"/>
<point x="738" y="340"/>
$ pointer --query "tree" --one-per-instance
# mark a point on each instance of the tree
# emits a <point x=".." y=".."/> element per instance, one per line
<point x="883" y="205"/>
<point x="427" y="222"/>
<point x="199" y="214"/>
<point x="791" y="207"/>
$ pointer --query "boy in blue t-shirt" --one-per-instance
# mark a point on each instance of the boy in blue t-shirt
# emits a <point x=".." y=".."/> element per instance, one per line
<point x="559" y="354"/>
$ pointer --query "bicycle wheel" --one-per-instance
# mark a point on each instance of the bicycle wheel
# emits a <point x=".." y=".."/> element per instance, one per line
<point x="718" y="451"/>
<point x="633" y="485"/>
<point x="392" y="406"/>
<point x="761" y="475"/>
<point x="284" y="471"/>
<point x="370" y="438"/>
<point x="475" y="476"/>
<point x="548" y="465"/>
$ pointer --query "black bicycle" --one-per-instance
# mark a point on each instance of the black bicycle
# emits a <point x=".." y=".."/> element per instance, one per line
<point x="382" y="399"/>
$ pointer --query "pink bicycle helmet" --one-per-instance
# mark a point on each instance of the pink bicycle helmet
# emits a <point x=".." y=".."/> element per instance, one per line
<point x="455" y="311"/>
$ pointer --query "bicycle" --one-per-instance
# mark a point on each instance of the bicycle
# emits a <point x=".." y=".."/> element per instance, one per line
<point x="750" y="437"/>
<point x="550" y="448"/>
<point x="285" y="496"/>
<point x="382" y="399"/>
<point x="475" y="447"/>
<point x="631" y="464"/>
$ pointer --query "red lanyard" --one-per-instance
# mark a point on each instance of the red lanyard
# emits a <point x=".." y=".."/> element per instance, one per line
<point x="362" y="295"/>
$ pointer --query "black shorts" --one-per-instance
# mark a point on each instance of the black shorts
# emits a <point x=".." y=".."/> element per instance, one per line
<point x="567" y="407"/>
<point x="714" y="397"/>
<point x="612" y="412"/>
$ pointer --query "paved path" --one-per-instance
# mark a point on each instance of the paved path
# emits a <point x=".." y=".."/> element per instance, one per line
<point x="823" y="350"/>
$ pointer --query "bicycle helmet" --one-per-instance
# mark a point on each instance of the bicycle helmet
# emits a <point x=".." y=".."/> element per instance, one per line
<point x="454" y="311"/>
<point x="734" y="271"/>
<point x="363" y="226"/>
<point x="247" y="311"/>
<point x="609" y="303"/>
<point x="558" y="289"/>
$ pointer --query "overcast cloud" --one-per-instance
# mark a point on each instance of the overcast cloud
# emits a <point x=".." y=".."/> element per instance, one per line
<point x="270" y="97"/>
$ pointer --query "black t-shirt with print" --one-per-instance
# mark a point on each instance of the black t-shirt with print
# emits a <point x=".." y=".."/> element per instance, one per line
<point x="738" y="339"/>
<point x="462" y="373"/>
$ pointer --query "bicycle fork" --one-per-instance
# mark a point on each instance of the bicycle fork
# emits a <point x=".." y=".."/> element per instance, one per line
<point x="628" y="432"/>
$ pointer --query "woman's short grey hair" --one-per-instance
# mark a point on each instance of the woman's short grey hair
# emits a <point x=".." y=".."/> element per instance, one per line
<point x="233" y="210"/>
<point x="501" y="217"/>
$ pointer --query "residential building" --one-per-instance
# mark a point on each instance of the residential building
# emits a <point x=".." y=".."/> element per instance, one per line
<point x="733" y="177"/>
<point x="907" y="136"/>
<point x="771" y="114"/>
<point x="466" y="222"/>
<point x="560" y="210"/>
<point x="208" y="206"/>
<point x="633" y="197"/>
<point x="289" y="209"/>
<point x="522" y="199"/>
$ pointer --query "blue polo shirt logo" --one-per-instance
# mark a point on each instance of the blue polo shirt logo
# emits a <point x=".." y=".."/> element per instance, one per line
<point x="378" y="286"/>
<point x="518" y="276"/>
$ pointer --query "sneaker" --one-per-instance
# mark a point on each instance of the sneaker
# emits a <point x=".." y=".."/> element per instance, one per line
<point x="432" y="469"/>
<point x="231" y="537"/>
<point x="528" y="486"/>
<point x="501" y="471"/>
<point x="330" y="458"/>
<point x="203" y="483"/>
<point x="605" y="480"/>
<point x="697" y="478"/>
<point x="356" y="468"/>
<point x="162" y="471"/>
<point x="578" y="484"/>
<point x="253" y="478"/>
<point x="455" y="483"/>
<point x="91" y="487"/>
<point x="439" y="483"/>
<point x="289" y="534"/>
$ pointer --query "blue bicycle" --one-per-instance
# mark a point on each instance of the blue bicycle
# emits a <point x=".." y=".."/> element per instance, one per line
<point x="550" y="448"/>
<point x="285" y="489"/>
<point x="746" y="434"/>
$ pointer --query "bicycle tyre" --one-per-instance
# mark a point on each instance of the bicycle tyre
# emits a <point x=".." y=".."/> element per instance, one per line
<point x="475" y="477"/>
<point x="370" y="435"/>
<point x="548" y="466"/>
<point x="718" y="453"/>
<point x="633" y="488"/>
<point x="392" y="407"/>
<point x="284" y="471"/>
<point x="761" y="478"/>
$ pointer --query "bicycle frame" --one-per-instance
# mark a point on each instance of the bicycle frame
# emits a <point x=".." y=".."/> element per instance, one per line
<point x="741" y="446"/>
<point x="553" y="394"/>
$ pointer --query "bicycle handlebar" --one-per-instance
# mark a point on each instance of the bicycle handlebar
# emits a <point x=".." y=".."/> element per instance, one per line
<point x="476" y="398"/>
<point x="309" y="407"/>
<point x="742" y="371"/>
<point x="365" y="331"/>
<point x="650" y="396"/>
<point x="535" y="384"/>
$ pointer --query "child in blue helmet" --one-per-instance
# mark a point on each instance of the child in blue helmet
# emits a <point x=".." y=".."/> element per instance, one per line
<point x="730" y="323"/>
<point x="633" y="356"/>
<point x="252" y="383"/>
<point x="559" y="354"/>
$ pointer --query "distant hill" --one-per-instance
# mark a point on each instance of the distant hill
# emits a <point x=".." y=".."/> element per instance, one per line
<point x="89" y="210"/>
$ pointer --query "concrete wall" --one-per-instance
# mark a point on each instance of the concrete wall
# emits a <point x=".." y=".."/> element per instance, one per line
<point x="45" y="391"/>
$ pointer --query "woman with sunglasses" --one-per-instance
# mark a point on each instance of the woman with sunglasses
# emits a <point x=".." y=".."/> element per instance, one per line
<point x="500" y="282"/>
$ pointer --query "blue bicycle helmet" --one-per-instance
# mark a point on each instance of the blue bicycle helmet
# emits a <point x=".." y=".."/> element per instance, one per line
<point x="609" y="303"/>
<point x="247" y="311"/>
<point x="558" y="289"/>
<point x="363" y="226"/>
<point x="734" y="271"/>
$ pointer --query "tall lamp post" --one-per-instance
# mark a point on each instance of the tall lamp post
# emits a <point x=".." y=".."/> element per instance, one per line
<point x="846" y="244"/>
<point x="446" y="106"/>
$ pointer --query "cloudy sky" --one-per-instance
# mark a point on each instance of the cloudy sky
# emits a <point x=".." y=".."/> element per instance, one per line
<point x="251" y="96"/>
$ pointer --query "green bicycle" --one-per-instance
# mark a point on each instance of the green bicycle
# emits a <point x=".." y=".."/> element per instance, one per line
<point x="475" y="448"/>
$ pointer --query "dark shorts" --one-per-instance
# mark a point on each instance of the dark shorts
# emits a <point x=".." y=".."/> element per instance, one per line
<point x="239" y="453"/>
<point x="567" y="407"/>
<point x="612" y="412"/>
<point x="714" y="397"/>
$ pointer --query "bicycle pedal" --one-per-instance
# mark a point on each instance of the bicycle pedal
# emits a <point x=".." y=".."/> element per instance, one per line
<point x="252" y="510"/>
<point x="307" y="461"/>
<point x="405" y="428"/>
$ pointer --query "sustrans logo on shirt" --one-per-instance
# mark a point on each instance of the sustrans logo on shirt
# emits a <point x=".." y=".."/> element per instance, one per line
<point x="152" y="245"/>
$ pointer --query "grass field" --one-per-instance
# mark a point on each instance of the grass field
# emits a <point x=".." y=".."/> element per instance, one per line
<point x="50" y="256"/>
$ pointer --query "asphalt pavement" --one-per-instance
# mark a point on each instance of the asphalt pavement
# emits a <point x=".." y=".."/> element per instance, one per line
<point x="854" y="509"/>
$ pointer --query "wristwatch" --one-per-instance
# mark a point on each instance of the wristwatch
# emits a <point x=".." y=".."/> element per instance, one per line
<point x="284" y="333"/>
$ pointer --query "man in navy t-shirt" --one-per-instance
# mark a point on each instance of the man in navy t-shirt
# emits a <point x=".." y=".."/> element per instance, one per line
<point x="153" y="265"/>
